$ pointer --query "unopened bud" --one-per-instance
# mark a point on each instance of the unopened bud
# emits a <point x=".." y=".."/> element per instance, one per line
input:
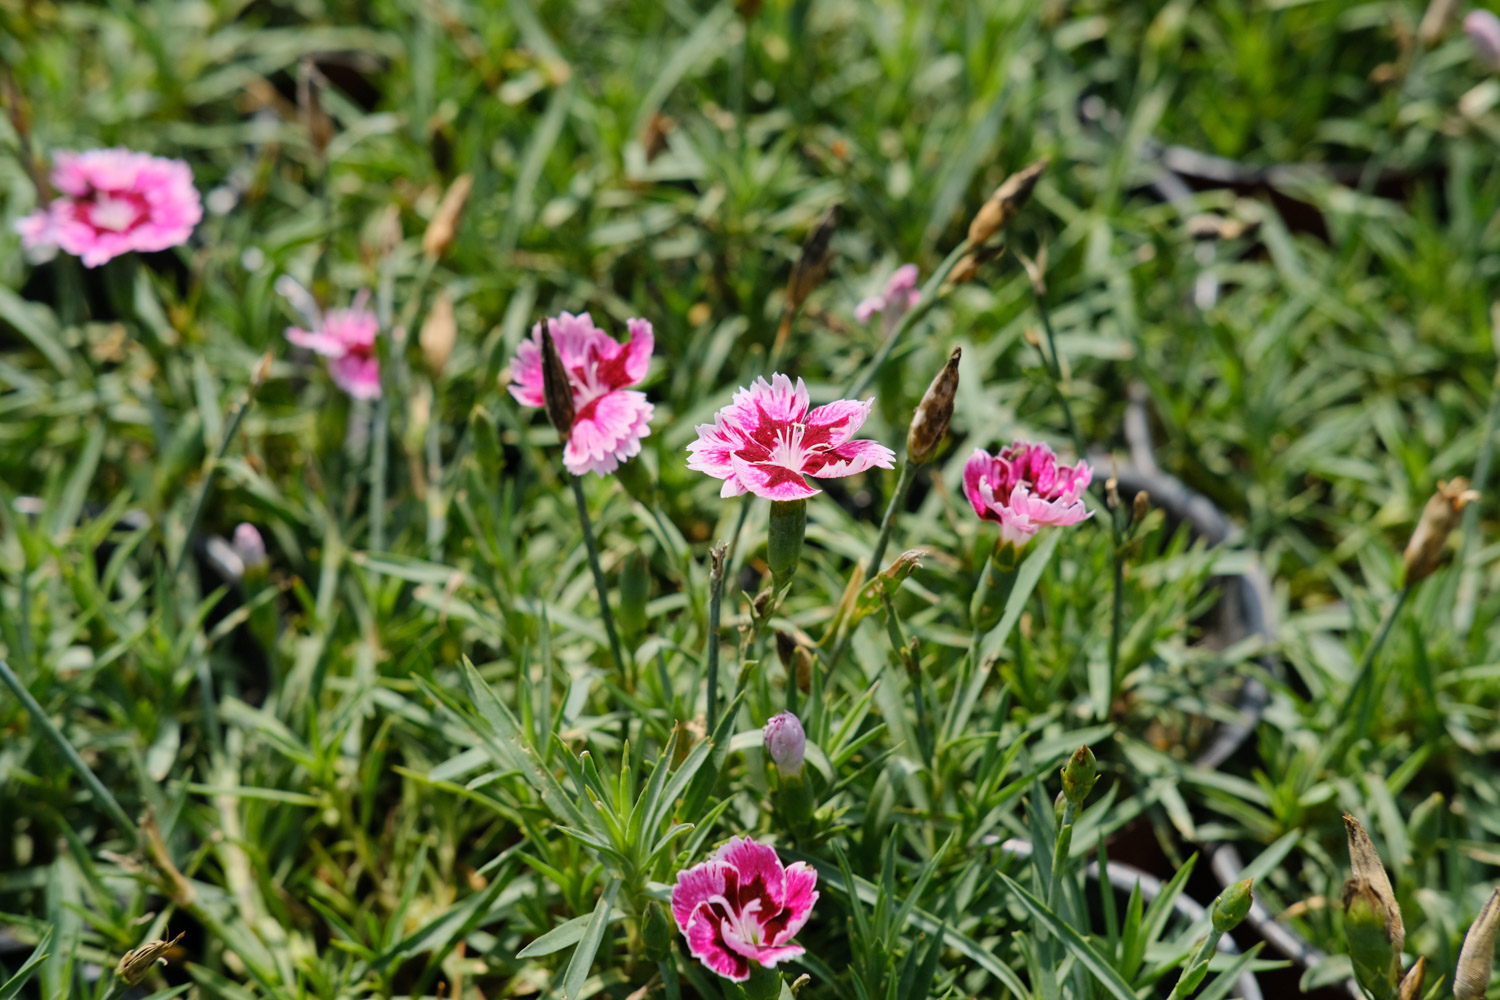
<point x="1435" y="21"/>
<point x="1079" y="775"/>
<point x="786" y="742"/>
<point x="1411" y="983"/>
<point x="964" y="271"/>
<point x="557" y="391"/>
<point x="439" y="331"/>
<point x="812" y="266"/>
<point x="804" y="670"/>
<point x="1003" y="205"/>
<point x="930" y="422"/>
<point x="1140" y="506"/>
<point x="1439" y="518"/>
<point x="444" y="225"/>
<point x="1233" y="905"/>
<point x="133" y="967"/>
<point x="1476" y="960"/>
<point x="1369" y="869"/>
<point x="716" y="557"/>
<point x="1112" y="493"/>
<point x="250" y="547"/>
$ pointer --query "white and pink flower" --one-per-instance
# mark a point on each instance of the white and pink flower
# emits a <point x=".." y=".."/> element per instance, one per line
<point x="609" y="419"/>
<point x="741" y="906"/>
<point x="770" y="438"/>
<point x="1024" y="488"/>
<point x="112" y="201"/>
<point x="346" y="337"/>
<point x="900" y="295"/>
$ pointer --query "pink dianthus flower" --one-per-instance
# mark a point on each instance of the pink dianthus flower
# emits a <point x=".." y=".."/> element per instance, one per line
<point x="741" y="906"/>
<point x="609" y="419"/>
<point x="900" y="295"/>
<point x="346" y="337"/>
<point x="112" y="201"/>
<point x="1024" y="487"/>
<point x="768" y="440"/>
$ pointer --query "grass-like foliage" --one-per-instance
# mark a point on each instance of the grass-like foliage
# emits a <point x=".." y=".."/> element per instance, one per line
<point x="1016" y="511"/>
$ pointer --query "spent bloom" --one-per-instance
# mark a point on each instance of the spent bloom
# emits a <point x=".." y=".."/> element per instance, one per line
<point x="900" y="295"/>
<point x="112" y="201"/>
<point x="609" y="418"/>
<point x="770" y="438"/>
<point x="741" y="906"/>
<point x="1024" y="488"/>
<point x="346" y="337"/>
<point x="786" y="742"/>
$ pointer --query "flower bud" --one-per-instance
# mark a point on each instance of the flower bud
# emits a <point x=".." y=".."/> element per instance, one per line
<point x="1439" y="518"/>
<point x="557" y="391"/>
<point x="812" y="267"/>
<point x="1140" y="506"/>
<point x="1079" y="775"/>
<point x="444" y="225"/>
<point x="1411" y="983"/>
<point x="133" y="967"/>
<point x="250" y="547"/>
<point x="786" y="743"/>
<point x="1483" y="29"/>
<point x="1233" y="905"/>
<point x="1476" y="960"/>
<point x="930" y="422"/>
<point x="439" y="331"/>
<point x="964" y="271"/>
<point x="784" y="541"/>
<point x="1367" y="866"/>
<point x="1003" y="205"/>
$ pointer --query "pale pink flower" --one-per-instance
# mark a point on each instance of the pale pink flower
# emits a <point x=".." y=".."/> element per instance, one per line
<point x="609" y="419"/>
<point x="768" y="439"/>
<point x="112" y="201"/>
<point x="1024" y="488"/>
<point x="900" y="295"/>
<point x="249" y="546"/>
<point x="346" y="337"/>
<point x="786" y="742"/>
<point x="741" y="906"/>
<point x="1483" y="29"/>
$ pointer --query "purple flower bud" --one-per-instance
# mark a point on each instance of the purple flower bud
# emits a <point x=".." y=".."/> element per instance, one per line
<point x="1483" y="29"/>
<point x="249" y="546"/>
<point x="786" y="743"/>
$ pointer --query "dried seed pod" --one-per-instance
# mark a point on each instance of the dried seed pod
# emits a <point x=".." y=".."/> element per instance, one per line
<point x="133" y="967"/>
<point x="1476" y="960"/>
<point x="786" y="649"/>
<point x="438" y="333"/>
<point x="1003" y="205"/>
<point x="444" y="225"/>
<point x="1140" y="506"/>
<point x="557" y="391"/>
<point x="804" y="669"/>
<point x="812" y="266"/>
<point x="1411" y="983"/>
<point x="1372" y="936"/>
<point x="1439" y="518"/>
<point x="930" y="422"/>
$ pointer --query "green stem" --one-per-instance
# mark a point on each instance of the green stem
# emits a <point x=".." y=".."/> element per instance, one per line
<point x="1197" y="967"/>
<point x="599" y="584"/>
<point x="96" y="787"/>
<point x="922" y="308"/>
<point x="715" y="600"/>
<point x="1116" y="613"/>
<point x="232" y="427"/>
<point x="1053" y="361"/>
<point x="898" y="499"/>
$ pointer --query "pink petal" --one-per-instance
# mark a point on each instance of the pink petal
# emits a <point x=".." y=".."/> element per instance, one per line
<point x="715" y="445"/>
<point x="850" y="458"/>
<point x="606" y="432"/>
<point x="867" y="308"/>
<point x="359" y="377"/>
<point x="836" y="422"/>
<point x="976" y="472"/>
<point x="638" y="353"/>
<point x="694" y="886"/>
<point x="777" y="400"/>
<point x="317" y="342"/>
<point x="526" y="372"/>
<point x="901" y="282"/>
<point x="774" y="482"/>
<point x="706" y="941"/>
<point x="797" y="903"/>
<point x="761" y="876"/>
<point x="574" y="335"/>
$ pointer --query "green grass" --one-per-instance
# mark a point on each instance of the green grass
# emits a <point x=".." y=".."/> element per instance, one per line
<point x="404" y="761"/>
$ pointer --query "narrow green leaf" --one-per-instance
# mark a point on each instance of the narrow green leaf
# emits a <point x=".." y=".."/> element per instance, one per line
<point x="588" y="946"/>
<point x="1083" y="949"/>
<point x="12" y="986"/>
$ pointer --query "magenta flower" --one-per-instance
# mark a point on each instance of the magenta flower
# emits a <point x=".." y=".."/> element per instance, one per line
<point x="741" y="906"/>
<point x="112" y="201"/>
<point x="1024" y="487"/>
<point x="346" y="337"/>
<point x="900" y="295"/>
<point x="768" y="439"/>
<point x="786" y="742"/>
<point x="609" y="419"/>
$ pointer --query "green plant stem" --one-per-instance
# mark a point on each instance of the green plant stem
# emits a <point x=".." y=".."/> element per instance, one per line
<point x="1358" y="705"/>
<point x="1053" y="361"/>
<point x="599" y="585"/>
<point x="715" y="602"/>
<point x="929" y="300"/>
<point x="887" y="522"/>
<point x="1117" y="609"/>
<point x="1196" y="968"/>
<point x="231" y="428"/>
<point x="95" y="786"/>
